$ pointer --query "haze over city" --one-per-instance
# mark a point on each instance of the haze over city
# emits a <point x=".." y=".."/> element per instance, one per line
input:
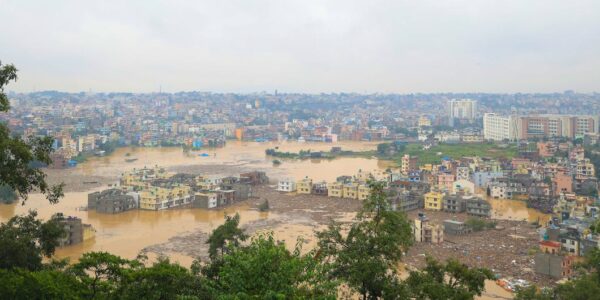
<point x="303" y="46"/>
<point x="300" y="150"/>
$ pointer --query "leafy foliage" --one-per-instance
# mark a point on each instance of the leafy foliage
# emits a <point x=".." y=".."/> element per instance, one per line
<point x="477" y="224"/>
<point x="7" y="194"/>
<point x="16" y="154"/>
<point x="266" y="269"/>
<point x="452" y="280"/>
<point x="25" y="240"/>
<point x="367" y="257"/>
<point x="41" y="284"/>
<point x="264" y="206"/>
<point x="225" y="237"/>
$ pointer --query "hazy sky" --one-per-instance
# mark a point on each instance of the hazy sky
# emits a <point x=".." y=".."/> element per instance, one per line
<point x="303" y="46"/>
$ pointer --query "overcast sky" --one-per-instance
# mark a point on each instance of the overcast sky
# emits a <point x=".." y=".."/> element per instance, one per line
<point x="303" y="46"/>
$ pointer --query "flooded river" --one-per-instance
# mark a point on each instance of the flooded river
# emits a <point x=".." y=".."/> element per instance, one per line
<point x="246" y="155"/>
<point x="127" y="233"/>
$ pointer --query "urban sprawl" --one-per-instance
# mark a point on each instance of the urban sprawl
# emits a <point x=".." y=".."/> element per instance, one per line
<point x="538" y="148"/>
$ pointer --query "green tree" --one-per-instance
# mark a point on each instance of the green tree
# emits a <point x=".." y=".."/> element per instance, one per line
<point x="583" y="288"/>
<point x="225" y="237"/>
<point x="25" y="240"/>
<point x="16" y="154"/>
<point x="102" y="272"/>
<point x="163" y="280"/>
<point x="367" y="257"/>
<point x="452" y="280"/>
<point x="532" y="293"/>
<point x="265" y="269"/>
<point x="383" y="148"/>
<point x="42" y="284"/>
<point x="264" y="206"/>
<point x="7" y="194"/>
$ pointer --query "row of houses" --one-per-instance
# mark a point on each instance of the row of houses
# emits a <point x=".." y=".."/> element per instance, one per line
<point x="457" y="203"/>
<point x="341" y="188"/>
<point x="155" y="189"/>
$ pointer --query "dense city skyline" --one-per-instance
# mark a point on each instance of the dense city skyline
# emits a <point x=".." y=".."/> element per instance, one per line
<point x="309" y="47"/>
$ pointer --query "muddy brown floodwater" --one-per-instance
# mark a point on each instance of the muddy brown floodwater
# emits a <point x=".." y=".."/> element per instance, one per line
<point x="128" y="233"/>
<point x="180" y="234"/>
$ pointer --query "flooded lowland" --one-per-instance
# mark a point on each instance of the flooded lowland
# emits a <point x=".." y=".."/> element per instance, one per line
<point x="181" y="233"/>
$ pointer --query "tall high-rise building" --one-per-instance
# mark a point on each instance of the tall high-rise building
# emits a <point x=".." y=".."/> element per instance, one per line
<point x="463" y="110"/>
<point x="499" y="128"/>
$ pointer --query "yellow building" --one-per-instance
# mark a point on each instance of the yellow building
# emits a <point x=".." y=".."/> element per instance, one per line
<point x="363" y="176"/>
<point x="304" y="186"/>
<point x="334" y="189"/>
<point x="363" y="192"/>
<point x="426" y="167"/>
<point x="350" y="190"/>
<point x="433" y="200"/>
<point x="88" y="232"/>
<point x="139" y="177"/>
<point x="424" y="121"/>
<point x="156" y="198"/>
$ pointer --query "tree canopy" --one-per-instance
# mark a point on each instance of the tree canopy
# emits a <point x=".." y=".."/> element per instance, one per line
<point x="17" y="154"/>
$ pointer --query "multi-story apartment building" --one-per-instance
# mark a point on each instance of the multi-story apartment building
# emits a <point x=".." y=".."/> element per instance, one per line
<point x="350" y="190"/>
<point x="112" y="201"/>
<point x="304" y="186"/>
<point x="73" y="228"/>
<point x="427" y="232"/>
<point x="157" y="198"/>
<point x="445" y="180"/>
<point x="363" y="191"/>
<point x="464" y="110"/>
<point x="433" y="200"/>
<point x="463" y="173"/>
<point x="497" y="127"/>
<point x="334" y="189"/>
<point x="286" y="185"/>
<point x="584" y="169"/>
<point x="409" y="163"/>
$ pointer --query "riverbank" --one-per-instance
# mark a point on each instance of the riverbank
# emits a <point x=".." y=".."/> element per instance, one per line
<point x="308" y="154"/>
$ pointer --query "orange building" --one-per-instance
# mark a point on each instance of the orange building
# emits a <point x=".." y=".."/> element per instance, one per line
<point x="550" y="247"/>
<point x="239" y="133"/>
<point x="563" y="183"/>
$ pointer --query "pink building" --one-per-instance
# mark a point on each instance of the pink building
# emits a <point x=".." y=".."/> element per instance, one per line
<point x="445" y="181"/>
<point x="563" y="183"/>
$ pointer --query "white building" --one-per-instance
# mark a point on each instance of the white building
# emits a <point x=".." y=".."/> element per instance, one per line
<point x="463" y="173"/>
<point x="499" y="128"/>
<point x="286" y="185"/>
<point x="500" y="190"/>
<point x="464" y="186"/>
<point x="463" y="109"/>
